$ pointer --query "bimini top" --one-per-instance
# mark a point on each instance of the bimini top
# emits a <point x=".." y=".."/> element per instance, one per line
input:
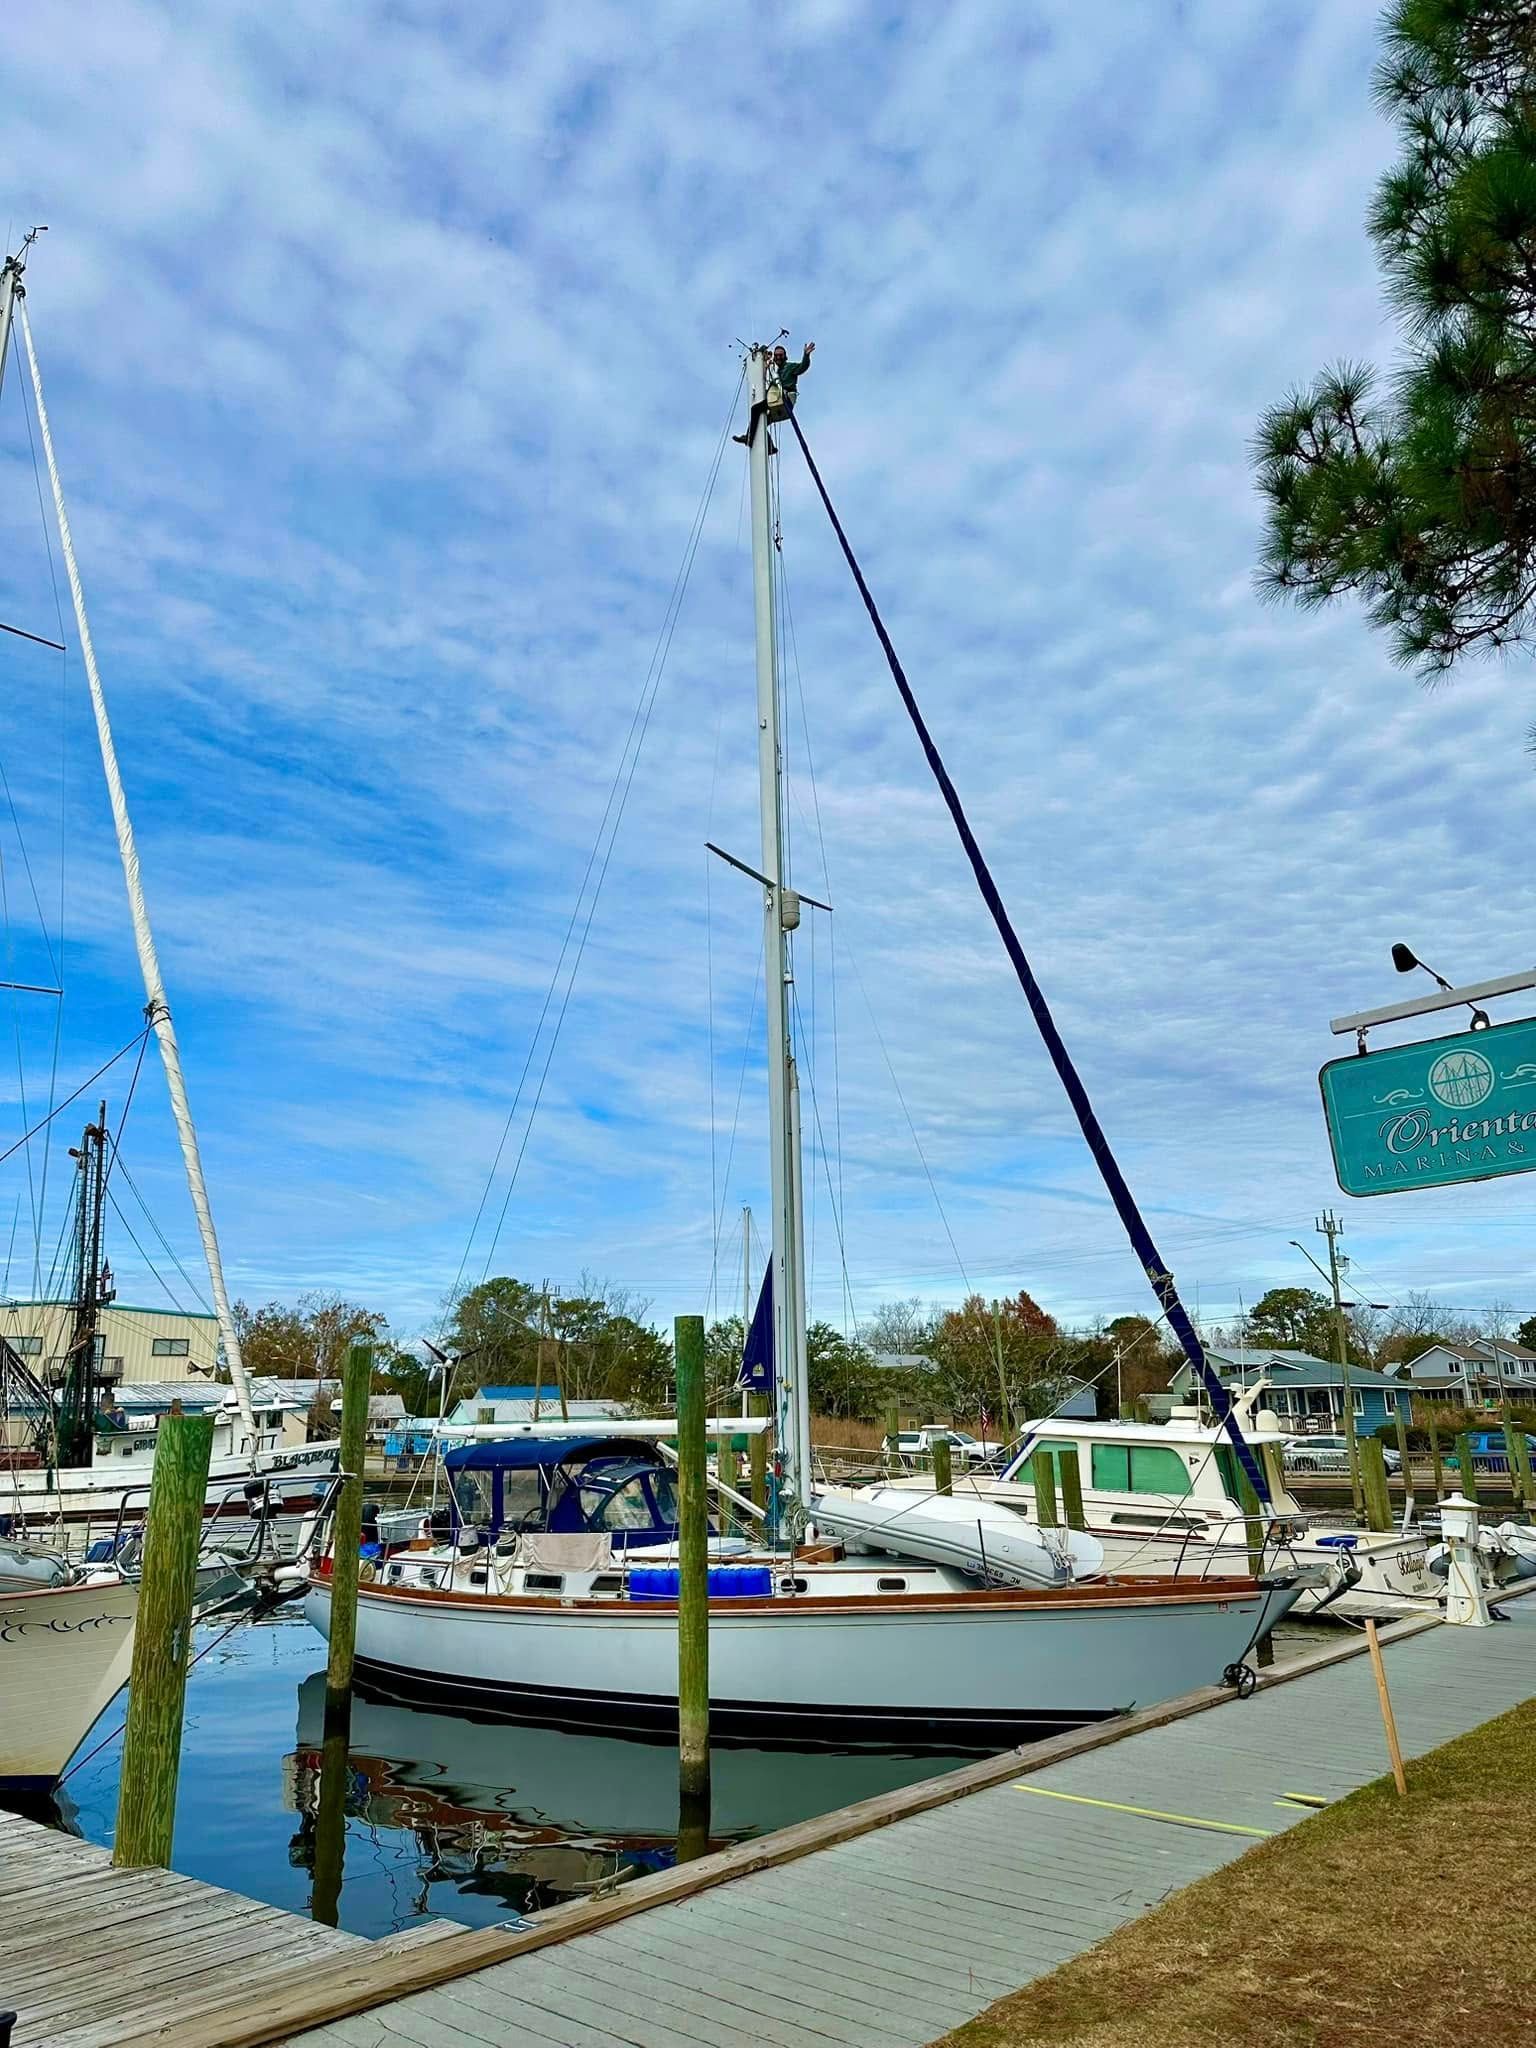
<point x="520" y="1453"/>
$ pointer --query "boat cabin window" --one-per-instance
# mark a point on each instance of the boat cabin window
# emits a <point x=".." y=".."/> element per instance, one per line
<point x="543" y="1582"/>
<point x="472" y="1496"/>
<point x="618" y="1495"/>
<point x="1055" y="1449"/>
<point x="1140" y="1468"/>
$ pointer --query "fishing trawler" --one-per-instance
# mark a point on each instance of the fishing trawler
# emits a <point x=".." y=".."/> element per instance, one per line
<point x="554" y="1597"/>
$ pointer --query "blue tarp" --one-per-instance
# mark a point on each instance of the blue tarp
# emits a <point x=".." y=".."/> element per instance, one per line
<point x="523" y="1453"/>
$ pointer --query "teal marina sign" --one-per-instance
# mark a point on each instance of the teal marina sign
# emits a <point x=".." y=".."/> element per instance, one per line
<point x="1431" y="1114"/>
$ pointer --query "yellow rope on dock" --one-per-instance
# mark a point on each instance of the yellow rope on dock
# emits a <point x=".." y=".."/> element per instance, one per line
<point x="1180" y="1820"/>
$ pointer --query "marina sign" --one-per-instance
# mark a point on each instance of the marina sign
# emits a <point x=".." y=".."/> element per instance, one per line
<point x="1434" y="1113"/>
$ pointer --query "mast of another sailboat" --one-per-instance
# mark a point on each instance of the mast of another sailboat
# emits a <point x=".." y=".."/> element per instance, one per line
<point x="781" y="914"/>
<point x="156" y="1008"/>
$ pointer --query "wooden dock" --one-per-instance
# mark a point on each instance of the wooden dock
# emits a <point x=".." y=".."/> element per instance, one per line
<point x="882" y="1925"/>
<point x="90" y="1955"/>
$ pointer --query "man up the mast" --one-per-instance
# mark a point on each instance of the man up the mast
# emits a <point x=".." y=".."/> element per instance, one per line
<point x="778" y="400"/>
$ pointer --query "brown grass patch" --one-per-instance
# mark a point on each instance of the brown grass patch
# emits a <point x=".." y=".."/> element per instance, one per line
<point x="1380" y="1923"/>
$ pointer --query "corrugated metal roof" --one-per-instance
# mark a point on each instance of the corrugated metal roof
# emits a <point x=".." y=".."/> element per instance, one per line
<point x="1292" y="1368"/>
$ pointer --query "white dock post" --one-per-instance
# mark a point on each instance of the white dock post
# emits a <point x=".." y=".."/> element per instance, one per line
<point x="1465" y="1601"/>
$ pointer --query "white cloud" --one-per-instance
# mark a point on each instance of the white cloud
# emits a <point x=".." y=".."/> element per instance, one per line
<point x="387" y="348"/>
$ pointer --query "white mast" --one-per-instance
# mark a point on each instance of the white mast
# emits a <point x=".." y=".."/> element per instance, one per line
<point x="8" y="273"/>
<point x="781" y="914"/>
<point x="156" y="1008"/>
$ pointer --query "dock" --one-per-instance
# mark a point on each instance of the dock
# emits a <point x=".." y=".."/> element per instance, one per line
<point x="881" y="1925"/>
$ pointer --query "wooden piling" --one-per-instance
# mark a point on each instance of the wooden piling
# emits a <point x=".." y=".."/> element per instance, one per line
<point x="693" y="1573"/>
<point x="943" y="1466"/>
<point x="1520" y="1476"/>
<point x="1466" y="1475"/>
<point x="347" y="1527"/>
<point x="1373" y="1482"/>
<point x="1042" y="1472"/>
<point x="728" y="1473"/>
<point x="1436" y="1462"/>
<point x="1072" y="1489"/>
<point x="892" y="1432"/>
<point x="1402" y="1453"/>
<point x="157" y="1688"/>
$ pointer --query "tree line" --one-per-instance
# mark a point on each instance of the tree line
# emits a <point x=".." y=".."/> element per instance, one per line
<point x="986" y="1363"/>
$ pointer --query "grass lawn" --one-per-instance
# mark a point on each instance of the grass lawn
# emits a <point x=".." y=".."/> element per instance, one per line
<point x="1380" y="1921"/>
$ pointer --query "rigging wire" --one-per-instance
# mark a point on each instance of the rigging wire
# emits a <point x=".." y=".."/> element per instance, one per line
<point x="1159" y="1278"/>
<point x="74" y="1096"/>
<point x="613" y="810"/>
<point x="117" y="1210"/>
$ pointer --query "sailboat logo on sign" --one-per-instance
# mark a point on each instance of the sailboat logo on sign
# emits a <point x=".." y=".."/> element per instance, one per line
<point x="1461" y="1080"/>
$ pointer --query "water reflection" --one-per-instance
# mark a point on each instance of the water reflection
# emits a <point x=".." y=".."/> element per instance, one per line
<point x="527" y="1816"/>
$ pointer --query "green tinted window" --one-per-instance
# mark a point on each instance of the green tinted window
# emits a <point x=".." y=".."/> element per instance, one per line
<point x="1112" y="1467"/>
<point x="1139" y="1468"/>
<point x="1155" y="1470"/>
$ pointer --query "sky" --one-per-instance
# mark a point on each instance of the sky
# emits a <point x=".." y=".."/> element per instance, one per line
<point x="389" y="350"/>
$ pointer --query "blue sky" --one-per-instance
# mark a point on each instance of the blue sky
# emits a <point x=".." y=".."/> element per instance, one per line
<point x="387" y="347"/>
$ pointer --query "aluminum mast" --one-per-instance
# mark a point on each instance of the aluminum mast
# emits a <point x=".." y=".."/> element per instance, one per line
<point x="156" y="1008"/>
<point x="781" y="914"/>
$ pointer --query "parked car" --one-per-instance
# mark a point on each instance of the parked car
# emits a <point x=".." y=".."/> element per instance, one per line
<point x="964" y="1449"/>
<point x="1490" y="1453"/>
<point x="1328" y="1454"/>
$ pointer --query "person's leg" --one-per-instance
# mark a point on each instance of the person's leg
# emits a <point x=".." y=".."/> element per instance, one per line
<point x="750" y="435"/>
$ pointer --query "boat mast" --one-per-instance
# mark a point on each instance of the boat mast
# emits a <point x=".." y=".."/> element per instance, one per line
<point x="781" y="914"/>
<point x="156" y="1008"/>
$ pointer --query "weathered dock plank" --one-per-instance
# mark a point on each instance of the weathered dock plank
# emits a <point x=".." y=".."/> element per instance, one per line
<point x="890" y="1937"/>
<point x="90" y="1955"/>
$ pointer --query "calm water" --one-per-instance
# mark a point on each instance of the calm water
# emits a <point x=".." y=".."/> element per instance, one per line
<point x="469" y="1820"/>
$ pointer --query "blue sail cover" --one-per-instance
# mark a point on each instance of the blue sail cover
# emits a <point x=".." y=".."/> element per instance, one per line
<point x="757" y="1356"/>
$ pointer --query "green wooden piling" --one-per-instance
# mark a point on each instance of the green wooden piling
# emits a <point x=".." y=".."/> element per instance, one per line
<point x="1437" y="1463"/>
<point x="1518" y="1452"/>
<point x="157" y="1688"/>
<point x="1466" y="1476"/>
<point x="347" y="1526"/>
<point x="892" y="1432"/>
<point x="1042" y="1472"/>
<point x="1373" y="1483"/>
<point x="693" y="1567"/>
<point x="1402" y="1452"/>
<point x="728" y="1473"/>
<point x="943" y="1466"/>
<point x="1072" y="1489"/>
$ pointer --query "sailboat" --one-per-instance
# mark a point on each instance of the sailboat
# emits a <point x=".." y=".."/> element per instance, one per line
<point x="554" y="1596"/>
<point x="83" y="1474"/>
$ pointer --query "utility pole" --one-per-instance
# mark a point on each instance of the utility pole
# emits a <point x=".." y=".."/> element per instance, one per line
<point x="1332" y="1229"/>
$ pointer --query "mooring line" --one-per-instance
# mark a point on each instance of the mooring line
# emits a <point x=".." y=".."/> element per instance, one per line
<point x="1178" y="1820"/>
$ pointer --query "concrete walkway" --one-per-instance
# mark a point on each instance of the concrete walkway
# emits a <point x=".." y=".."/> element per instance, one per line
<point x="890" y="1940"/>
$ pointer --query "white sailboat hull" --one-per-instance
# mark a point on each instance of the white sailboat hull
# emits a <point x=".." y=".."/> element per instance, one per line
<point x="64" y="1654"/>
<point x="992" y="1666"/>
<point x="97" y="1493"/>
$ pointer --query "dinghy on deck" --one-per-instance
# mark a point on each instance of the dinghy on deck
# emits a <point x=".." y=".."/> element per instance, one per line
<point x="975" y="1536"/>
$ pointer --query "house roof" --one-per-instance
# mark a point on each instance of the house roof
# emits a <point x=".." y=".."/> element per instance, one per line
<point x="1292" y="1368"/>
